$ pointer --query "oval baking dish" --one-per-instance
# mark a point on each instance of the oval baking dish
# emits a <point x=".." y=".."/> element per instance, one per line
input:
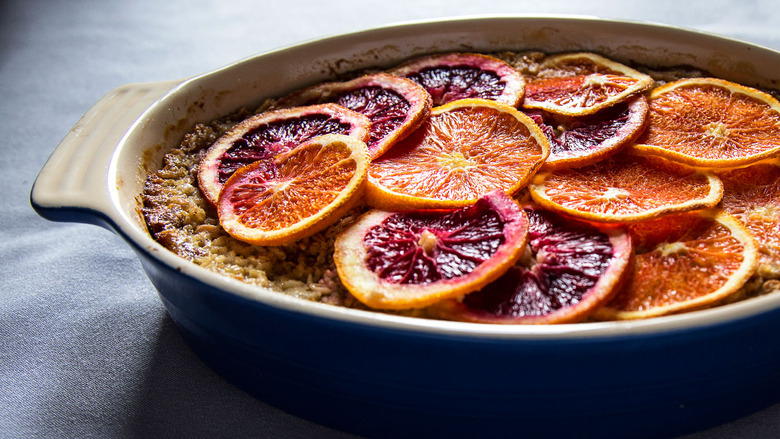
<point x="389" y="376"/>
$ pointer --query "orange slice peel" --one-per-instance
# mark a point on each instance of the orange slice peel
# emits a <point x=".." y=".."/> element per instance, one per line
<point x="296" y="193"/>
<point x="626" y="188"/>
<point x="710" y="122"/>
<point x="391" y="260"/>
<point x="684" y="262"/>
<point x="452" y="76"/>
<point x="464" y="150"/>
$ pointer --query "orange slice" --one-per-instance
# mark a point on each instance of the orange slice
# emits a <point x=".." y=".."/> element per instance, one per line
<point x="265" y="135"/>
<point x="452" y="76"/>
<point x="684" y="262"/>
<point x="568" y="269"/>
<point x="393" y="260"/>
<point x="395" y="106"/>
<point x="464" y="150"/>
<point x="576" y="84"/>
<point x="752" y="194"/>
<point x="626" y="188"/>
<point x="711" y="123"/>
<point x="296" y="193"/>
<point x="583" y="140"/>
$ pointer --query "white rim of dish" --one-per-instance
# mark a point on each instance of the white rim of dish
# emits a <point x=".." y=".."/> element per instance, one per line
<point x="693" y="320"/>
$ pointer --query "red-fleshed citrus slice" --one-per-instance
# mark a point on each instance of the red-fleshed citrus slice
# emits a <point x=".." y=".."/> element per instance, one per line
<point x="568" y="270"/>
<point x="391" y="260"/>
<point x="684" y="262"/>
<point x="577" y="84"/>
<point x="452" y="76"/>
<point x="710" y="122"/>
<point x="296" y="193"/>
<point x="396" y="106"/>
<point x="626" y="187"/>
<point x="464" y="150"/>
<point x="265" y="135"/>
<point x="752" y="194"/>
<point x="583" y="140"/>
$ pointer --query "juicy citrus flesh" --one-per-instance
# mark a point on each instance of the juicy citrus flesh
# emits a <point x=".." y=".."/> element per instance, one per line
<point x="711" y="123"/>
<point x="626" y="188"/>
<point x="452" y="76"/>
<point x="396" y="106"/>
<point x="584" y="63"/>
<point x="263" y="136"/>
<point x="684" y="262"/>
<point x="582" y="94"/>
<point x="752" y="194"/>
<point x="295" y="194"/>
<point x="583" y="140"/>
<point x="391" y="260"/>
<point x="464" y="150"/>
<point x="568" y="270"/>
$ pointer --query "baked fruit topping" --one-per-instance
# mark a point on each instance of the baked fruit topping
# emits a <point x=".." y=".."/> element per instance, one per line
<point x="391" y="260"/>
<point x="395" y="106"/>
<point x="452" y="76"/>
<point x="568" y="270"/>
<point x="464" y="150"/>
<point x="263" y="136"/>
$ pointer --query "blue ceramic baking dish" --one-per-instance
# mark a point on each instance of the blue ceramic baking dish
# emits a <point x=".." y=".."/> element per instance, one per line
<point x="391" y="376"/>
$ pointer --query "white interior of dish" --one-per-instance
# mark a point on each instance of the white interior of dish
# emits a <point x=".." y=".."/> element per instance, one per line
<point x="248" y="82"/>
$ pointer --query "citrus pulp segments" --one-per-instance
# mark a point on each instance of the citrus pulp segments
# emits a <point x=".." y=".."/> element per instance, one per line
<point x="583" y="140"/>
<point x="684" y="262"/>
<point x="396" y="106"/>
<point x="584" y="63"/>
<point x="625" y="188"/>
<point x="295" y="194"/>
<point x="464" y="150"/>
<point x="752" y="194"/>
<point x="452" y="76"/>
<point x="391" y="260"/>
<point x="711" y="122"/>
<point x="267" y="134"/>
<point x="568" y="270"/>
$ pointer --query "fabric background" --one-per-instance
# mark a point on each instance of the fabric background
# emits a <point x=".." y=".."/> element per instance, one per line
<point x="86" y="348"/>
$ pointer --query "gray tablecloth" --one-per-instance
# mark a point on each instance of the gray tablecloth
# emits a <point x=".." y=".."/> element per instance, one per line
<point x="86" y="348"/>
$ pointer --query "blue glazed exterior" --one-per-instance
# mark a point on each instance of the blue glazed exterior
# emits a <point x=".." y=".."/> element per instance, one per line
<point x="379" y="382"/>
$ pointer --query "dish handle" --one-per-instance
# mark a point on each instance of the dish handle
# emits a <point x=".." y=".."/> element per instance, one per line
<point x="73" y="185"/>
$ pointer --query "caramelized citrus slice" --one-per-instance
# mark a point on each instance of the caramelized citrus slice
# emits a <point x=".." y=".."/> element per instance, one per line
<point x="393" y="260"/>
<point x="464" y="150"/>
<point x="684" y="262"/>
<point x="396" y="106"/>
<point x="712" y="123"/>
<point x="583" y="140"/>
<point x="568" y="270"/>
<point x="576" y="84"/>
<point x="752" y="194"/>
<point x="296" y="193"/>
<point x="626" y="187"/>
<point x="265" y="135"/>
<point x="453" y="76"/>
<point x="584" y="63"/>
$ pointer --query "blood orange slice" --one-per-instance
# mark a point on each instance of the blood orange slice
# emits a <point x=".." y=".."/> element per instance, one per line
<point x="296" y="193"/>
<point x="711" y="123"/>
<point x="452" y="76"/>
<point x="576" y="84"/>
<point x="752" y="194"/>
<point x="265" y="135"/>
<point x="409" y="260"/>
<point x="583" y="140"/>
<point x="569" y="269"/>
<point x="396" y="106"/>
<point x="464" y="150"/>
<point x="684" y="262"/>
<point x="626" y="187"/>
